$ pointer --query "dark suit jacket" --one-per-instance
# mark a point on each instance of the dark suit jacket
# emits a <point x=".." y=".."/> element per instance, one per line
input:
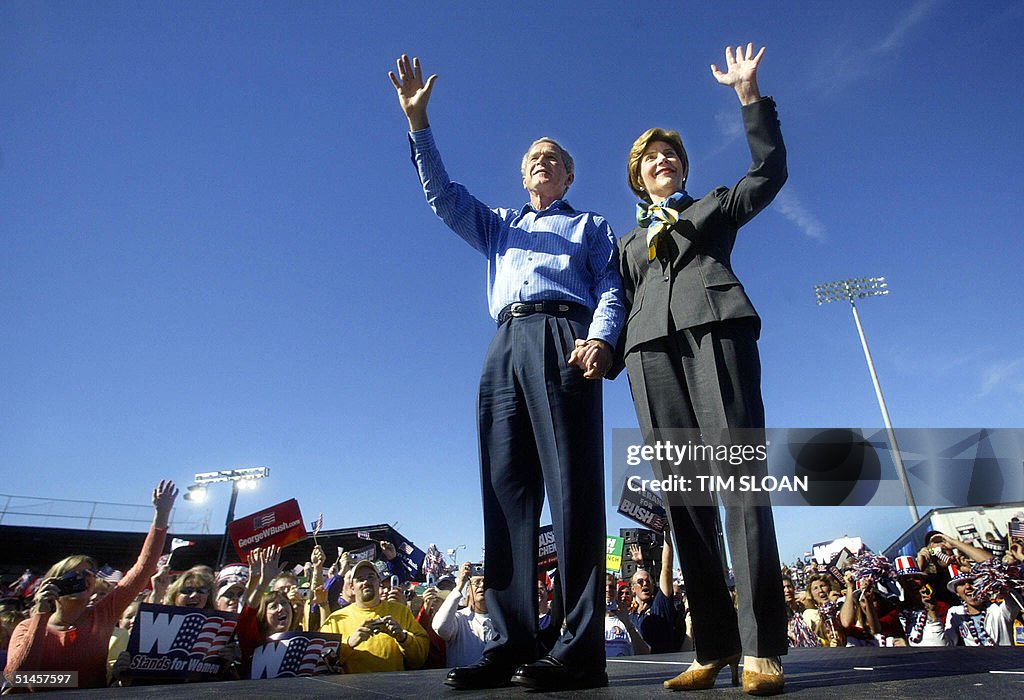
<point x="692" y="282"/>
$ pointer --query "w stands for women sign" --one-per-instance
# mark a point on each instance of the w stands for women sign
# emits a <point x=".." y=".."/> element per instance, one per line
<point x="291" y="654"/>
<point x="281" y="525"/>
<point x="169" y="642"/>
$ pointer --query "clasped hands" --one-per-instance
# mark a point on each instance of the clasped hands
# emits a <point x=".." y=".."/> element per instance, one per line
<point x="593" y="356"/>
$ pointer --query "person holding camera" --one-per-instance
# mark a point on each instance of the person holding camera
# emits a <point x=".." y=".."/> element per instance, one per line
<point x="467" y="630"/>
<point x="64" y="633"/>
<point x="379" y="635"/>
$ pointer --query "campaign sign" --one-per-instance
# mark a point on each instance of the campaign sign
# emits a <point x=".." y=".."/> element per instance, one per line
<point x="290" y="654"/>
<point x="178" y="643"/>
<point x="968" y="533"/>
<point x="281" y="525"/>
<point x="613" y="553"/>
<point x="547" y="550"/>
<point x="366" y="552"/>
<point x="643" y="507"/>
<point x="407" y="564"/>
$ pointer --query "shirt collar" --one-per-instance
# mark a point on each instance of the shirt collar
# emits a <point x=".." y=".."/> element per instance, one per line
<point x="554" y="206"/>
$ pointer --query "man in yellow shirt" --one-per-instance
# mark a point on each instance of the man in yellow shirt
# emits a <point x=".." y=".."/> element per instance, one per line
<point x="379" y="635"/>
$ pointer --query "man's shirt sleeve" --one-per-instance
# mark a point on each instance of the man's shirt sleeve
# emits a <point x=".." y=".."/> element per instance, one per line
<point x="604" y="263"/>
<point x="662" y="606"/>
<point x="463" y="213"/>
<point x="444" y="622"/>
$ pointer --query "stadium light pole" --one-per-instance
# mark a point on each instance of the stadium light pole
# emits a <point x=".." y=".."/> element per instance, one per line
<point x="862" y="288"/>
<point x="453" y="554"/>
<point x="238" y="477"/>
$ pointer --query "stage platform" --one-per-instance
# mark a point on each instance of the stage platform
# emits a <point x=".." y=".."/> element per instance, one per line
<point x="933" y="673"/>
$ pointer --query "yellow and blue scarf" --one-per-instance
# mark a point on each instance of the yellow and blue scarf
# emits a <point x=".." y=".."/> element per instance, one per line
<point x="657" y="218"/>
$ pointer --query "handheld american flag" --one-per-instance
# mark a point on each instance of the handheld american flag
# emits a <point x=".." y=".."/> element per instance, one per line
<point x="317" y="524"/>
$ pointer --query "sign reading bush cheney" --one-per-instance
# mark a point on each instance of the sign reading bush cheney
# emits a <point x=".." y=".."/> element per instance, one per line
<point x="290" y="654"/>
<point x="547" y="550"/>
<point x="180" y="643"/>
<point x="281" y="525"/>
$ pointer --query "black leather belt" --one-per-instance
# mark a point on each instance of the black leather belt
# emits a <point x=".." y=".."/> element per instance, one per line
<point x="552" y="308"/>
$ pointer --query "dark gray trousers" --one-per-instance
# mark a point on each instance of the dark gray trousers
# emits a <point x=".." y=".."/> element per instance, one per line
<point x="540" y="427"/>
<point x="709" y="377"/>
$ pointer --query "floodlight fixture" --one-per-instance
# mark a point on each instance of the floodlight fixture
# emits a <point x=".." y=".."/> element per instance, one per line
<point x="848" y="290"/>
<point x="196" y="493"/>
<point x="250" y="474"/>
<point x="245" y="478"/>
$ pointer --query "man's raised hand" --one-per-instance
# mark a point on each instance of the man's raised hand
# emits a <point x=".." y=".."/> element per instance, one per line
<point x="413" y="93"/>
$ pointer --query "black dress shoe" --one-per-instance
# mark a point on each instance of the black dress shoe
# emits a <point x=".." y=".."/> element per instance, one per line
<point x="490" y="672"/>
<point x="551" y="674"/>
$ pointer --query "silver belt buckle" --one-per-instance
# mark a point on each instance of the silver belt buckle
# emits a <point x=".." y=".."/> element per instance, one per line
<point x="519" y="309"/>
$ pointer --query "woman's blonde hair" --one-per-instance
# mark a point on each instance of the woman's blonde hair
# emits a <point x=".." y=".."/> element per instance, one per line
<point x="827" y="580"/>
<point x="198" y="576"/>
<point x="672" y="138"/>
<point x="68" y="563"/>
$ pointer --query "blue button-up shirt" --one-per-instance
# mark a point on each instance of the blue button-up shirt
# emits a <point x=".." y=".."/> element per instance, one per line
<point x="557" y="254"/>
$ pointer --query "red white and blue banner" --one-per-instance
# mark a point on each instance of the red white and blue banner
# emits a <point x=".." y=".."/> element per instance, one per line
<point x="178" y="643"/>
<point x="291" y="654"/>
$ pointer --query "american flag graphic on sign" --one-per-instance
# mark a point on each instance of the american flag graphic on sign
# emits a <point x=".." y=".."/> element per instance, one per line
<point x="204" y="635"/>
<point x="264" y="520"/>
<point x="303" y="655"/>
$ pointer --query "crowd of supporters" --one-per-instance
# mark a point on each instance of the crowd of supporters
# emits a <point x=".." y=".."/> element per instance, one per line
<point x="953" y="593"/>
<point x="79" y="617"/>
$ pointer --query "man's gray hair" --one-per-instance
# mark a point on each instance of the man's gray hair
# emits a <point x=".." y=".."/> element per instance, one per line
<point x="566" y="158"/>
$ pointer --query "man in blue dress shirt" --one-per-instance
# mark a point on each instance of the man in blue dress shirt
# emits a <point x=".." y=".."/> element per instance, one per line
<point x="552" y="279"/>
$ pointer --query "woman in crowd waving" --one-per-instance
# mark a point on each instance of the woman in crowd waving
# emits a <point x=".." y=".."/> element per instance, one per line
<point x="65" y="633"/>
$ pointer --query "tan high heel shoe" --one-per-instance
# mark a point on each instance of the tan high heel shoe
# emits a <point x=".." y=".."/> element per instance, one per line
<point x="755" y="683"/>
<point x="704" y="678"/>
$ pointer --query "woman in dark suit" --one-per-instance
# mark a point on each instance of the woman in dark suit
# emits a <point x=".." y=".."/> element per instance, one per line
<point x="691" y="353"/>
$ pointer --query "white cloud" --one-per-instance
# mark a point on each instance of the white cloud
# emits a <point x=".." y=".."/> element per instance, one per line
<point x="729" y="125"/>
<point x="849" y="63"/>
<point x="788" y="203"/>
<point x="914" y="16"/>
<point x="1005" y="375"/>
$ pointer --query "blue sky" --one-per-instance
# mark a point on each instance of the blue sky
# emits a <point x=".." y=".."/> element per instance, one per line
<point x="216" y="252"/>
